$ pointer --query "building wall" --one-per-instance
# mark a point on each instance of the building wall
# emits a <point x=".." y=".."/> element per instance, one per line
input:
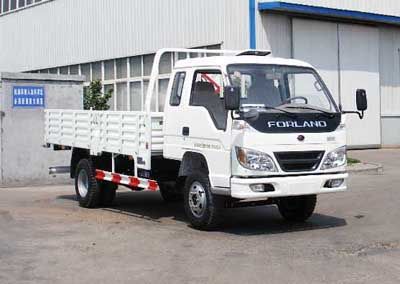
<point x="390" y="84"/>
<point x="275" y="31"/>
<point x="390" y="70"/>
<point x="98" y="38"/>
<point x="23" y="160"/>
<point x="66" y="32"/>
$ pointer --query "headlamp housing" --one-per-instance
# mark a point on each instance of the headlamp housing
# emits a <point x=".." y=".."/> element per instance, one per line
<point x="334" y="159"/>
<point x="255" y="160"/>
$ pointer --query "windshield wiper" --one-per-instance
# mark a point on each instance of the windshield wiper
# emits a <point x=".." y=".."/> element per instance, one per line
<point x="288" y="113"/>
<point x="325" y="113"/>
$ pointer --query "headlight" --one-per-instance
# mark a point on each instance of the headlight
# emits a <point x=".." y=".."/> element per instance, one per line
<point x="335" y="159"/>
<point x="255" y="160"/>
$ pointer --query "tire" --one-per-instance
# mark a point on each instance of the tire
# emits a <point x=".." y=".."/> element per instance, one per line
<point x="297" y="208"/>
<point x="86" y="186"/>
<point x="107" y="192"/>
<point x="170" y="193"/>
<point x="201" y="206"/>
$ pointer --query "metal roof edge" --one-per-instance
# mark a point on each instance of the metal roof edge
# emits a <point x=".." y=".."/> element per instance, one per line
<point x="328" y="12"/>
<point x="41" y="77"/>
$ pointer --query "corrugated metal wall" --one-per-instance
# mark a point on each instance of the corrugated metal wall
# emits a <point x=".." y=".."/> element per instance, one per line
<point x="386" y="7"/>
<point x="65" y="32"/>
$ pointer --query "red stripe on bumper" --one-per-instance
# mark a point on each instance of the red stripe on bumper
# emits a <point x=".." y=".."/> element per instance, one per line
<point x="152" y="185"/>
<point x="133" y="182"/>
<point x="100" y="174"/>
<point x="116" y="178"/>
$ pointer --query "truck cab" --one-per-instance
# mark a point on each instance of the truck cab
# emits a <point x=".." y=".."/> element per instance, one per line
<point x="252" y="127"/>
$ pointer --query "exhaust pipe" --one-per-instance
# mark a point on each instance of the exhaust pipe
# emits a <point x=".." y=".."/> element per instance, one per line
<point x="59" y="170"/>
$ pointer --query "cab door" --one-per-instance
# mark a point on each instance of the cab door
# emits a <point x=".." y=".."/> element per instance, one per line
<point x="199" y="122"/>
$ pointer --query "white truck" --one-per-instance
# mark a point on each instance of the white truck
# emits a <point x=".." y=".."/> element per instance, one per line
<point x="237" y="129"/>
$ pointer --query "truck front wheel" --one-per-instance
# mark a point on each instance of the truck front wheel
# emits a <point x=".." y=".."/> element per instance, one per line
<point x="86" y="187"/>
<point x="297" y="208"/>
<point x="201" y="206"/>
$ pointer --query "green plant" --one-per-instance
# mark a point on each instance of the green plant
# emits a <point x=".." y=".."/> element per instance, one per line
<point x="94" y="98"/>
<point x="352" y="161"/>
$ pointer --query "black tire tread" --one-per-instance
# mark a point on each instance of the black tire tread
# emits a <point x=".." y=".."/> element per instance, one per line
<point x="93" y="196"/>
<point x="212" y="217"/>
<point x="301" y="214"/>
<point x="107" y="192"/>
<point x="169" y="194"/>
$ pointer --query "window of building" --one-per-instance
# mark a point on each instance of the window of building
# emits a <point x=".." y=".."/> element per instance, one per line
<point x="85" y="71"/>
<point x="53" y="71"/>
<point x="74" y="70"/>
<point x="5" y="6"/>
<point x="121" y="68"/>
<point x="122" y="96"/>
<point x="64" y="70"/>
<point x="13" y="5"/>
<point x="96" y="71"/>
<point x="177" y="89"/>
<point x="166" y="64"/>
<point x="107" y="89"/>
<point x="162" y="93"/>
<point x="128" y="77"/>
<point x="147" y="64"/>
<point x="135" y="96"/>
<point x="108" y="70"/>
<point x="135" y="66"/>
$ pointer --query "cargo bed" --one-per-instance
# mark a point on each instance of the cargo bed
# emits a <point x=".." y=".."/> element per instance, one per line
<point x="119" y="132"/>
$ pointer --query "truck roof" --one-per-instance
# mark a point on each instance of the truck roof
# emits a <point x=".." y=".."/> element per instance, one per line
<point x="243" y="59"/>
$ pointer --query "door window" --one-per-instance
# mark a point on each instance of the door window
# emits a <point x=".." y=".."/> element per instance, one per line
<point x="207" y="92"/>
<point x="177" y="88"/>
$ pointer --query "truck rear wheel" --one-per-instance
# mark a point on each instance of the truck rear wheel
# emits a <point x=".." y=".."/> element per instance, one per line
<point x="201" y="206"/>
<point x="86" y="187"/>
<point x="297" y="208"/>
<point x="107" y="192"/>
<point x="170" y="193"/>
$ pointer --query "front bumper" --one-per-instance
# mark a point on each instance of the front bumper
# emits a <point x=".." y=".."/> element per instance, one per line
<point x="286" y="186"/>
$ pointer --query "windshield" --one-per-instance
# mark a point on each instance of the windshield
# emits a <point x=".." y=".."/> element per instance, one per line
<point x="280" y="86"/>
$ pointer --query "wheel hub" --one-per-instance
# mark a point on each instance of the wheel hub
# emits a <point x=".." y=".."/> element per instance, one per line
<point x="83" y="183"/>
<point x="197" y="199"/>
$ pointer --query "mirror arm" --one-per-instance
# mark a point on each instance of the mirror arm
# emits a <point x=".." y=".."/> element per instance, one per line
<point x="360" y="114"/>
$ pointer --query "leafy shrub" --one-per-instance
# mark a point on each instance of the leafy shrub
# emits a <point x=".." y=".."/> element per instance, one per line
<point x="94" y="98"/>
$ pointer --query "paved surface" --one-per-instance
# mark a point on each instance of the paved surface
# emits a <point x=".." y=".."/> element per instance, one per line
<point x="354" y="237"/>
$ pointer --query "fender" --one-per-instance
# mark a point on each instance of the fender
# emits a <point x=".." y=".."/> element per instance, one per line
<point x="192" y="162"/>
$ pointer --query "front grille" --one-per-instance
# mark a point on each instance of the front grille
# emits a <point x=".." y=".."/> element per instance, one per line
<point x="299" y="161"/>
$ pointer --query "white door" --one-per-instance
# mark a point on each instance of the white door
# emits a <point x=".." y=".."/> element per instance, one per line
<point x="196" y="121"/>
<point x="359" y="69"/>
<point x="347" y="57"/>
<point x="316" y="42"/>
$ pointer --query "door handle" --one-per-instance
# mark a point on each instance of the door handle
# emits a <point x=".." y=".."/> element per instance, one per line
<point x="185" y="131"/>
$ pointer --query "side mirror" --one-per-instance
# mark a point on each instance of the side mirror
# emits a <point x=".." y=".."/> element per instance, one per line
<point x="361" y="100"/>
<point x="232" y="98"/>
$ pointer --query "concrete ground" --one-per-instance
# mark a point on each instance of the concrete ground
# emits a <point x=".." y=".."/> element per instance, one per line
<point x="354" y="237"/>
